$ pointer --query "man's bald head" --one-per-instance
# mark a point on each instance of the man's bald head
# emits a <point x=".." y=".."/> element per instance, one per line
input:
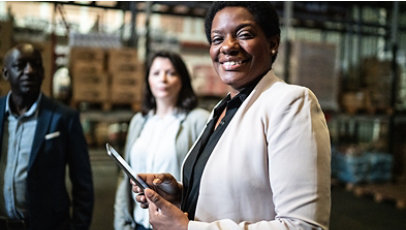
<point x="21" y="48"/>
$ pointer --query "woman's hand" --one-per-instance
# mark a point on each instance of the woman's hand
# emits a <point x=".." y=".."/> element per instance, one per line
<point x="163" y="215"/>
<point x="164" y="184"/>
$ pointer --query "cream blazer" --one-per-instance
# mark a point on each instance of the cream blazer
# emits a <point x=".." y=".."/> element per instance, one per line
<point x="271" y="167"/>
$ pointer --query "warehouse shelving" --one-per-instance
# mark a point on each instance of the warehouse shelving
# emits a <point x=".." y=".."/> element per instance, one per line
<point x="357" y="28"/>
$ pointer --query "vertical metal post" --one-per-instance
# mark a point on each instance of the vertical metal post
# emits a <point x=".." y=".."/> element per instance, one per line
<point x="394" y="46"/>
<point x="122" y="28"/>
<point x="358" y="55"/>
<point x="288" y="13"/>
<point x="133" y="36"/>
<point x="148" y="10"/>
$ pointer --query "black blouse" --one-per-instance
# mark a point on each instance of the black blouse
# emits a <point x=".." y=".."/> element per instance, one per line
<point x="196" y="162"/>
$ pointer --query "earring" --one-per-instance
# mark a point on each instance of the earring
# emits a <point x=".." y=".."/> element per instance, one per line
<point x="273" y="51"/>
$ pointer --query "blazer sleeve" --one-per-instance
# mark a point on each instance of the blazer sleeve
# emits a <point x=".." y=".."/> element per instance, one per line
<point x="122" y="217"/>
<point x="123" y="200"/>
<point x="298" y="150"/>
<point x="80" y="174"/>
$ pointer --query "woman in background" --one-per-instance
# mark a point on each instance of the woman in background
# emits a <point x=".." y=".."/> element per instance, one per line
<point x="159" y="136"/>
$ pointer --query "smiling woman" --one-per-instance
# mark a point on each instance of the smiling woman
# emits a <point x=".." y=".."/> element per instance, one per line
<point x="239" y="48"/>
<point x="263" y="160"/>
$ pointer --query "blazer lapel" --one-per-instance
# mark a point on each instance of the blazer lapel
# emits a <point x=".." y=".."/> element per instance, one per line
<point x="44" y="120"/>
<point x="2" y="111"/>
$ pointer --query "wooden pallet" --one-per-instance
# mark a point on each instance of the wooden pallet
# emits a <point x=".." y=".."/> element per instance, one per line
<point x="106" y="106"/>
<point x="383" y="192"/>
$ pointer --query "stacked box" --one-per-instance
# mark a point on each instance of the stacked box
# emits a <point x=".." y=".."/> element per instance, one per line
<point x="368" y="167"/>
<point x="87" y="54"/>
<point x="127" y="87"/>
<point x="380" y="167"/>
<point x="352" y="168"/>
<point x="90" y="88"/>
<point x="89" y="78"/>
<point x="401" y="90"/>
<point x="127" y="75"/>
<point x="6" y="31"/>
<point x="122" y="60"/>
<point x="313" y="65"/>
<point x="207" y="82"/>
<point x="4" y="87"/>
<point x="47" y="53"/>
<point x="377" y="77"/>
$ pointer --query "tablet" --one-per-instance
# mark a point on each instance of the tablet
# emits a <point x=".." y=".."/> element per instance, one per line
<point x="125" y="167"/>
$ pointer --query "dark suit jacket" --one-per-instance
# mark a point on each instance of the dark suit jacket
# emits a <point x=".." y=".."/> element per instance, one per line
<point x="48" y="200"/>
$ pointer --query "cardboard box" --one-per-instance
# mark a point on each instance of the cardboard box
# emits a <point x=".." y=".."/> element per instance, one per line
<point x="125" y="95"/>
<point x="4" y="87"/>
<point x="377" y="77"/>
<point x="121" y="93"/>
<point x="88" y="67"/>
<point x="78" y="54"/>
<point x="313" y="65"/>
<point x="205" y="81"/>
<point x="47" y="53"/>
<point x="122" y="60"/>
<point x="127" y="79"/>
<point x="123" y="67"/>
<point x="6" y="31"/>
<point x="90" y="88"/>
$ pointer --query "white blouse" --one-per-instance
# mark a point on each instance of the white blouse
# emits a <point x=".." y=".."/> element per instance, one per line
<point x="154" y="152"/>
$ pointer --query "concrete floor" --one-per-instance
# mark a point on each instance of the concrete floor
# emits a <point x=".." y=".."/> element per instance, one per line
<point x="105" y="175"/>
<point x="363" y="213"/>
<point x="348" y="211"/>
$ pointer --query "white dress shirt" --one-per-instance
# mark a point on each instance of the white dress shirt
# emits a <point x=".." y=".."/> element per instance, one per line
<point x="154" y="152"/>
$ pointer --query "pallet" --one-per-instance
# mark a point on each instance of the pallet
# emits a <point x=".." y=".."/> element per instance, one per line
<point x="105" y="106"/>
<point x="383" y="192"/>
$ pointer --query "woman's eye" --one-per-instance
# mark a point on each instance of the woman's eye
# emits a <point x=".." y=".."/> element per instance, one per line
<point x="216" y="40"/>
<point x="245" y="35"/>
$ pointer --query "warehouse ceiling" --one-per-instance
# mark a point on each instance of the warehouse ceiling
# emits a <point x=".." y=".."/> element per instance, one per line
<point x="324" y="15"/>
<point x="199" y="8"/>
<point x="184" y="8"/>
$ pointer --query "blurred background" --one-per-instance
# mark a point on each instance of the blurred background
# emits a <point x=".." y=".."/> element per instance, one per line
<point x="352" y="55"/>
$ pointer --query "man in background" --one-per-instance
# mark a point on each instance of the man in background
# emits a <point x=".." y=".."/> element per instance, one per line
<point x="38" y="139"/>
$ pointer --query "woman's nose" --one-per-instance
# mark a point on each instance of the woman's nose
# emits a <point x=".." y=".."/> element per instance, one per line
<point x="163" y="76"/>
<point x="229" y="44"/>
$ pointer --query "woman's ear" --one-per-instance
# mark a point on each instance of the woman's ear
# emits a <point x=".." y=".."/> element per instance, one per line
<point x="274" y="44"/>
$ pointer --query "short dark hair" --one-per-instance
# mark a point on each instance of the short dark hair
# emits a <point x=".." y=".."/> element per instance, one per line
<point x="187" y="99"/>
<point x="263" y="12"/>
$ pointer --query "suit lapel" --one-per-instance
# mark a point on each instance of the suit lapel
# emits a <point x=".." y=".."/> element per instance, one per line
<point x="44" y="120"/>
<point x="2" y="111"/>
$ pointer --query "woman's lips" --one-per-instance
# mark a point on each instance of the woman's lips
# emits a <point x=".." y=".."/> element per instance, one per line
<point x="232" y="65"/>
